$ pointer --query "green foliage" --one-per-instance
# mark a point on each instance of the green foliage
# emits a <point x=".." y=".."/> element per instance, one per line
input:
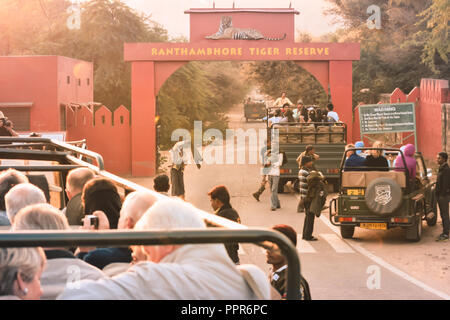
<point x="402" y="51"/>
<point x="273" y="77"/>
<point x="199" y="91"/>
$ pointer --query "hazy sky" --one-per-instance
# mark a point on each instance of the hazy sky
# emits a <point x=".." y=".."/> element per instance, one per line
<point x="170" y="13"/>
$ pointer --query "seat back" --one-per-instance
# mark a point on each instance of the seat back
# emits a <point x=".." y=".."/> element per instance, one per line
<point x="361" y="179"/>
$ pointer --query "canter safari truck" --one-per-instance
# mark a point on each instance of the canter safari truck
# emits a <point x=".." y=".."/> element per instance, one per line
<point x="329" y="140"/>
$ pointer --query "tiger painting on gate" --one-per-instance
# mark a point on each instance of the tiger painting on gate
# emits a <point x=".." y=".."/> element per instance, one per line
<point x="227" y="31"/>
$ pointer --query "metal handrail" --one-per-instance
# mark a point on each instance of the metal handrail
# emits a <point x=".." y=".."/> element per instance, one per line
<point x="236" y="232"/>
<point x="197" y="236"/>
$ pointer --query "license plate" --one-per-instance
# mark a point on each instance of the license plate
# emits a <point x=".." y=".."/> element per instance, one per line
<point x="255" y="115"/>
<point x="355" y="192"/>
<point x="376" y="226"/>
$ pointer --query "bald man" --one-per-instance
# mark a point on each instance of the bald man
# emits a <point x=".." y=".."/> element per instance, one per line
<point x="76" y="179"/>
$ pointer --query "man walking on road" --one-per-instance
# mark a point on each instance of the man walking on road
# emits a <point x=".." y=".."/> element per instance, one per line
<point x="220" y="202"/>
<point x="443" y="193"/>
<point x="265" y="151"/>
<point x="275" y="161"/>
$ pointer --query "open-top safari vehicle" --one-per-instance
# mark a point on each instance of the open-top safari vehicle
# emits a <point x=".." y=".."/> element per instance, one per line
<point x="51" y="160"/>
<point x="380" y="198"/>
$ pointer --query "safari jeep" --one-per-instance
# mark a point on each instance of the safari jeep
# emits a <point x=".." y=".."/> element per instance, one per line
<point x="383" y="200"/>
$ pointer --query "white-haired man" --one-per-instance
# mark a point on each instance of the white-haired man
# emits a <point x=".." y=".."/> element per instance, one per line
<point x="20" y="196"/>
<point x="133" y="208"/>
<point x="177" y="272"/>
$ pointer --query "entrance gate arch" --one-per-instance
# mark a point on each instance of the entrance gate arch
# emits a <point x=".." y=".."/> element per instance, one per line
<point x="153" y="63"/>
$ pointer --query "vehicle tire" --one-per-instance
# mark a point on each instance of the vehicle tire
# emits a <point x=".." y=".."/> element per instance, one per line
<point x="347" y="232"/>
<point x="414" y="233"/>
<point x="431" y="222"/>
<point x="281" y="184"/>
<point x="383" y="196"/>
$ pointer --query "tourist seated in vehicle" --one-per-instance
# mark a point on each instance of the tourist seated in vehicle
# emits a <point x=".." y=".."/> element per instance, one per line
<point x="100" y="198"/>
<point x="288" y="117"/>
<point x="408" y="151"/>
<point x="8" y="179"/>
<point x="276" y="118"/>
<point x="20" y="196"/>
<point x="332" y="116"/>
<point x="133" y="208"/>
<point x="361" y="153"/>
<point x="20" y="273"/>
<point x="177" y="272"/>
<point x="283" y="100"/>
<point x="297" y="112"/>
<point x="375" y="161"/>
<point x="312" y="116"/>
<point x="56" y="275"/>
<point x="353" y="161"/>
<point x="76" y="180"/>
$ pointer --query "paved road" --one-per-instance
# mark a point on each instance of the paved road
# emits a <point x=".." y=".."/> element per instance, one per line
<point x="373" y="265"/>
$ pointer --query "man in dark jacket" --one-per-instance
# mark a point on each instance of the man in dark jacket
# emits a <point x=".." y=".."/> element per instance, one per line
<point x="76" y="179"/>
<point x="353" y="162"/>
<point x="220" y="202"/>
<point x="443" y="193"/>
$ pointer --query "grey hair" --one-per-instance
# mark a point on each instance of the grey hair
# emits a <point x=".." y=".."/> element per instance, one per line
<point x="21" y="196"/>
<point x="14" y="261"/>
<point x="170" y="214"/>
<point x="40" y="217"/>
<point x="136" y="204"/>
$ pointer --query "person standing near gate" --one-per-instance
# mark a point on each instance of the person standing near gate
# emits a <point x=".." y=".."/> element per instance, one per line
<point x="443" y="193"/>
<point x="275" y="161"/>
<point x="179" y="160"/>
<point x="265" y="151"/>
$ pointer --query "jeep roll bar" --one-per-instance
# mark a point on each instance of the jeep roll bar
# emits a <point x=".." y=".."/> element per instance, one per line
<point x="70" y="156"/>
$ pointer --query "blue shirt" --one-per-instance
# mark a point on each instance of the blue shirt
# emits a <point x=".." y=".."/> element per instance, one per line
<point x="353" y="163"/>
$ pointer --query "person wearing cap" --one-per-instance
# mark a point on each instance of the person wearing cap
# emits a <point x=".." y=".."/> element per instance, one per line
<point x="305" y="168"/>
<point x="361" y="153"/>
<point x="6" y="127"/>
<point x="353" y="162"/>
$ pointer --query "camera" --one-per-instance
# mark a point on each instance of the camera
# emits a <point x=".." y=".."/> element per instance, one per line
<point x="93" y="221"/>
<point x="6" y="122"/>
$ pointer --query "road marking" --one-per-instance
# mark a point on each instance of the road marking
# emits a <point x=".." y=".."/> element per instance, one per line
<point x="337" y="243"/>
<point x="386" y="265"/>
<point x="304" y="246"/>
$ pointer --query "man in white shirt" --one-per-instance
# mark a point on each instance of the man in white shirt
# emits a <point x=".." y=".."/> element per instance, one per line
<point x="281" y="101"/>
<point x="275" y="161"/>
<point x="331" y="115"/>
<point x="276" y="118"/>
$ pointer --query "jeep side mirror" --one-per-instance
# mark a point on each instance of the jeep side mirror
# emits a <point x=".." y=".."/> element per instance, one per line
<point x="429" y="173"/>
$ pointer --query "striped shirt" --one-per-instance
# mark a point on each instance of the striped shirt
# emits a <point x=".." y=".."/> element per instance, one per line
<point x="303" y="173"/>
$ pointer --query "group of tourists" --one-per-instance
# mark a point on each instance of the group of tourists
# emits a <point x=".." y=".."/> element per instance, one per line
<point x="286" y="112"/>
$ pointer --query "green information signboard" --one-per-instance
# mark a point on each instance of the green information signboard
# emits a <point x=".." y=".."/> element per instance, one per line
<point x="386" y="118"/>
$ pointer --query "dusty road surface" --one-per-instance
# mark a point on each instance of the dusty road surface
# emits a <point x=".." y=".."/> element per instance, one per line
<point x="372" y="265"/>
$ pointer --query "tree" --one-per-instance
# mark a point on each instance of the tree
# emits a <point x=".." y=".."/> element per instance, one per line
<point x="273" y="77"/>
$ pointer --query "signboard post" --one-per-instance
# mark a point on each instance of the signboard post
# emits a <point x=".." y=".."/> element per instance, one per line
<point x="388" y="118"/>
